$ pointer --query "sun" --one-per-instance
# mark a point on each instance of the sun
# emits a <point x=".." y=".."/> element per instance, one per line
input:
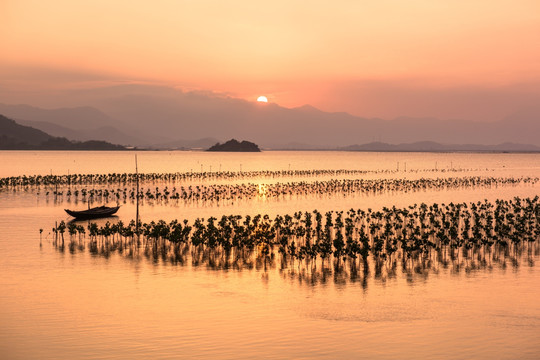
<point x="262" y="99"/>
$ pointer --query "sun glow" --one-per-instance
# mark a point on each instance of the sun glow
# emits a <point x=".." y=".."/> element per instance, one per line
<point x="262" y="99"/>
<point x="262" y="190"/>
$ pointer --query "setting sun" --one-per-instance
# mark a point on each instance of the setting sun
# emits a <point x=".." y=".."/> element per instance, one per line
<point x="262" y="99"/>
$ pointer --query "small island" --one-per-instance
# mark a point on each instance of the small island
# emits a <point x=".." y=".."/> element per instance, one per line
<point x="234" y="145"/>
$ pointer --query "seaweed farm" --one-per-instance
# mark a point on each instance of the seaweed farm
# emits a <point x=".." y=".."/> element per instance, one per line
<point x="234" y="192"/>
<point x="475" y="234"/>
<point x="275" y="255"/>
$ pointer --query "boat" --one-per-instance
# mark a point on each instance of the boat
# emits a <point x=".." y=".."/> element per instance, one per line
<point x="93" y="213"/>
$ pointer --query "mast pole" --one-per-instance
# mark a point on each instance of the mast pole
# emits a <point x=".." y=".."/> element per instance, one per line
<point x="137" y="196"/>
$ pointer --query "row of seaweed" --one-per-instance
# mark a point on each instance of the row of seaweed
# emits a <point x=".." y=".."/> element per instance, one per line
<point x="131" y="178"/>
<point x="418" y="233"/>
<point x="234" y="192"/>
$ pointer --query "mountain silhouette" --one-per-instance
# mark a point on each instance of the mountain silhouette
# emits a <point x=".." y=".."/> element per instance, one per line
<point x="14" y="136"/>
<point x="159" y="115"/>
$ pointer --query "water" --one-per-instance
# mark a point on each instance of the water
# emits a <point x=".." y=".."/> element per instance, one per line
<point x="56" y="305"/>
<point x="62" y="162"/>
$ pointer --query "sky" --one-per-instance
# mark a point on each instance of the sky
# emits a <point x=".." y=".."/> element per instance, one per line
<point x="469" y="59"/>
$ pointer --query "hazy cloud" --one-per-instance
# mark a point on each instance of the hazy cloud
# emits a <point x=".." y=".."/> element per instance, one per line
<point x="391" y="99"/>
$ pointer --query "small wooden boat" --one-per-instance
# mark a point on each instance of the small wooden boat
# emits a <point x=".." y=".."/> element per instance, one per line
<point x="94" y="213"/>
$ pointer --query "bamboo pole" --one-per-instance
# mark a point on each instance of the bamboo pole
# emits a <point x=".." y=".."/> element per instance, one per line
<point x="137" y="216"/>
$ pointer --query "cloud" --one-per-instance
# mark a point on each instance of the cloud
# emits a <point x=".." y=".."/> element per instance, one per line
<point x="50" y="76"/>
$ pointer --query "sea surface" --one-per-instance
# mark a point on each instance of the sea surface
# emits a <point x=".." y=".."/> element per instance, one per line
<point x="61" y="304"/>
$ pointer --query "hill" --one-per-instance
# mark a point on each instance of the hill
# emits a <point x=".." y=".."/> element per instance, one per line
<point x="80" y="123"/>
<point x="234" y="145"/>
<point x="18" y="137"/>
<point x="169" y="116"/>
<point x="195" y="115"/>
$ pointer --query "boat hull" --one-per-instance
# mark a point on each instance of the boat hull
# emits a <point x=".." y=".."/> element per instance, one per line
<point x="94" y="213"/>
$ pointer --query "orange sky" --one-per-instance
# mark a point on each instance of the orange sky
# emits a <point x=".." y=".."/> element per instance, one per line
<point x="294" y="52"/>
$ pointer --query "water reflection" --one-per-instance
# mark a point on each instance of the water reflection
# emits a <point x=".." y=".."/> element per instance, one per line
<point x="340" y="272"/>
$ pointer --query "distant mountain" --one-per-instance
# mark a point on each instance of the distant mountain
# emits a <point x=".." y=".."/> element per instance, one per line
<point x="158" y="115"/>
<point x="105" y="133"/>
<point x="77" y="118"/>
<point x="195" y="115"/>
<point x="234" y="145"/>
<point x="13" y="134"/>
<point x="78" y="123"/>
<point x="18" y="137"/>
<point x="429" y="146"/>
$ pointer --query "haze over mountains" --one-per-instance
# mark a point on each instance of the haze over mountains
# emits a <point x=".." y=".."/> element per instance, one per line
<point x="430" y="146"/>
<point x="162" y="117"/>
<point x="14" y="136"/>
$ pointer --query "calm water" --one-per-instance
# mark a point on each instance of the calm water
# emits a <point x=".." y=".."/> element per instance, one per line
<point x="57" y="304"/>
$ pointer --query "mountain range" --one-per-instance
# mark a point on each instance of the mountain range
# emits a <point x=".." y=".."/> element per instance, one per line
<point x="161" y="117"/>
<point x="14" y="136"/>
<point x="430" y="146"/>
